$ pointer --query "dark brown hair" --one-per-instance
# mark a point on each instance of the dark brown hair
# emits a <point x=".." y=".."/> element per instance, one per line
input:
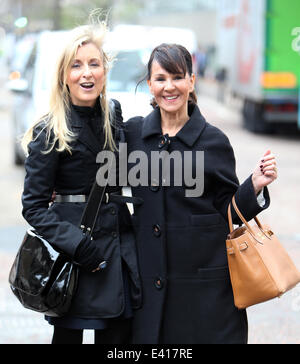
<point x="175" y="59"/>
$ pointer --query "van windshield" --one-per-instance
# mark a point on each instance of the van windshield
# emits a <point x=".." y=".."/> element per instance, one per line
<point x="128" y="69"/>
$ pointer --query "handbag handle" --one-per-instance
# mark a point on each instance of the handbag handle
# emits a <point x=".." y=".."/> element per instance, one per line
<point x="241" y="217"/>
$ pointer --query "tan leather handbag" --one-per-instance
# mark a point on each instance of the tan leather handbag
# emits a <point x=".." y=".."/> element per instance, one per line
<point x="260" y="268"/>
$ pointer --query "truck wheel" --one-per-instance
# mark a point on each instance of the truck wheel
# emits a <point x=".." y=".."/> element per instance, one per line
<point x="253" y="118"/>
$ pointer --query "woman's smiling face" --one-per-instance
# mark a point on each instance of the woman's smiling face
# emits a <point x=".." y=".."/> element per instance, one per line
<point x="171" y="91"/>
<point x="86" y="76"/>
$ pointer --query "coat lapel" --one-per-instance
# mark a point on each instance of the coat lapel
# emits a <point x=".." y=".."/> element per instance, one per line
<point x="84" y="132"/>
<point x="189" y="134"/>
<point x="192" y="130"/>
<point x="152" y="124"/>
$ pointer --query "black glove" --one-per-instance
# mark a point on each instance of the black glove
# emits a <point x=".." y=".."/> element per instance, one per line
<point x="88" y="255"/>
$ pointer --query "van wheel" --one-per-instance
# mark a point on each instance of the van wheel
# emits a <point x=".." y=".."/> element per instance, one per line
<point x="253" y="118"/>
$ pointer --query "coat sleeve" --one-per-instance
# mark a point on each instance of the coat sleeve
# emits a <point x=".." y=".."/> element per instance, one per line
<point x="226" y="184"/>
<point x="38" y="188"/>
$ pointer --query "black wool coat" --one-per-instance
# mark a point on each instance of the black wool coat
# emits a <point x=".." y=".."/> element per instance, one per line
<point x="100" y="294"/>
<point x="187" y="295"/>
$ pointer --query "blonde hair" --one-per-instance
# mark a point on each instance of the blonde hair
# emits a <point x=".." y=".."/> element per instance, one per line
<point x="56" y="120"/>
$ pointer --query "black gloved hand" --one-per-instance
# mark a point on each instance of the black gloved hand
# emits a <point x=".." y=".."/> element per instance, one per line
<point x="88" y="255"/>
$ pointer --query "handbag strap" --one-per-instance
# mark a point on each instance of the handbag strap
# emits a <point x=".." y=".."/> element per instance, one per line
<point x="230" y="219"/>
<point x="241" y="217"/>
<point x="92" y="208"/>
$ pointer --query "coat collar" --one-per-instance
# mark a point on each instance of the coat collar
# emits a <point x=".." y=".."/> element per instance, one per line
<point x="189" y="134"/>
<point x="79" y="114"/>
<point x="79" y="117"/>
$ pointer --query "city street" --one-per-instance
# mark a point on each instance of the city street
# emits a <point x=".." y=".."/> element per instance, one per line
<point x="274" y="322"/>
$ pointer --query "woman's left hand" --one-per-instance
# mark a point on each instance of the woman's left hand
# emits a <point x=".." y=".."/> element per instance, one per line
<point x="265" y="172"/>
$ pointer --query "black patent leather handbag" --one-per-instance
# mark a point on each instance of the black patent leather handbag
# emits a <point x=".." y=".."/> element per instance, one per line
<point x="43" y="279"/>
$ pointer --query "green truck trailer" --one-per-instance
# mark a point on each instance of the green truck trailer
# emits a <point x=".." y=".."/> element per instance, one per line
<point x="259" y="48"/>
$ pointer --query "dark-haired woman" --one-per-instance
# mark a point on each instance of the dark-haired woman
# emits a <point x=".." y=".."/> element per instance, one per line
<point x="181" y="231"/>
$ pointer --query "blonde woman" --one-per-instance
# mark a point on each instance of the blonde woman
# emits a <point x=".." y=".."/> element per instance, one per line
<point x="62" y="149"/>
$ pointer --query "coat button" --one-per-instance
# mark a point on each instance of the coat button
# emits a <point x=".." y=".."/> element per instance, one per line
<point x="157" y="230"/>
<point x="113" y="211"/>
<point x="159" y="284"/>
<point x="114" y="234"/>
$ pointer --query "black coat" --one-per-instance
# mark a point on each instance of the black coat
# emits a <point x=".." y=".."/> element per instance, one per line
<point x="101" y="294"/>
<point x="187" y="295"/>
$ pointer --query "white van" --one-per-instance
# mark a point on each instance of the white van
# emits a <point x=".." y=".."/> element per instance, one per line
<point x="132" y="45"/>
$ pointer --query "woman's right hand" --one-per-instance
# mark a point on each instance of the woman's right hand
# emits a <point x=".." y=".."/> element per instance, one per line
<point x="88" y="255"/>
<point x="265" y="172"/>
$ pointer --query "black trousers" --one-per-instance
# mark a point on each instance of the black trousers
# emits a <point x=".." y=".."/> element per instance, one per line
<point x="119" y="332"/>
